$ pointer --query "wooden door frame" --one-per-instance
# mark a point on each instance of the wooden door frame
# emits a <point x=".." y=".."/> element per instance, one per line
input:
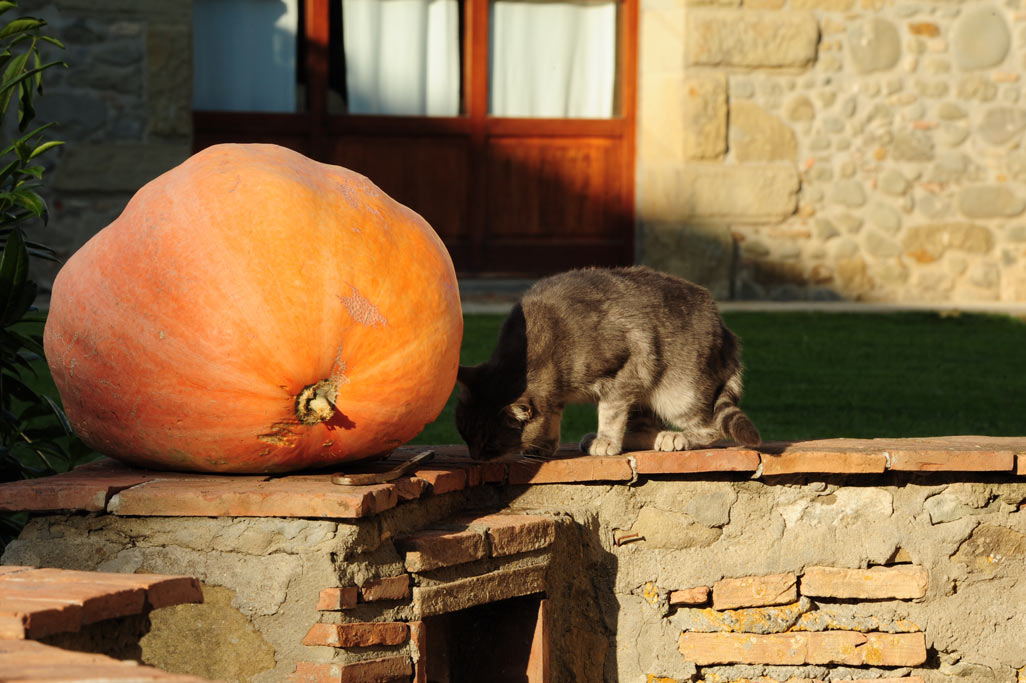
<point x="313" y="129"/>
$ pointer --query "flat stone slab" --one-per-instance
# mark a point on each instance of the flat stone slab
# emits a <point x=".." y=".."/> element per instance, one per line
<point x="109" y="486"/>
<point x="35" y="603"/>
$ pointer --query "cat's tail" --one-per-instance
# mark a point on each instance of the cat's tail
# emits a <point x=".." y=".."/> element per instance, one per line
<point x="730" y="419"/>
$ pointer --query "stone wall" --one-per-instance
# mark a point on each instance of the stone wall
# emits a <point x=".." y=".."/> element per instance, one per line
<point x="841" y="560"/>
<point x="123" y="107"/>
<point x="825" y="149"/>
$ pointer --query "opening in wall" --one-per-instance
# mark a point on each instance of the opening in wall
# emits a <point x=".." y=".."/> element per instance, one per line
<point x="502" y="642"/>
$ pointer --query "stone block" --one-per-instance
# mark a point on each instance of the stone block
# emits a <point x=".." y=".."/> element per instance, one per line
<point x="358" y="634"/>
<point x="874" y="44"/>
<point x="382" y="669"/>
<point x="478" y="590"/>
<point x="705" y="116"/>
<point x="670" y="529"/>
<point x="115" y="167"/>
<point x="927" y="243"/>
<point x="749" y="193"/>
<point x="901" y="582"/>
<point x="433" y="549"/>
<point x="169" y="80"/>
<point x="755" y="591"/>
<point x="757" y="135"/>
<point x="690" y="597"/>
<point x="662" y="129"/>
<point x="700" y="252"/>
<point x="751" y="38"/>
<point x="334" y="599"/>
<point x="387" y="588"/>
<point x="848" y="648"/>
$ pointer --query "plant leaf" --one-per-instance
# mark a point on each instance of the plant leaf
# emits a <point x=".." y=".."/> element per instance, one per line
<point x="13" y="273"/>
<point x="44" y="147"/>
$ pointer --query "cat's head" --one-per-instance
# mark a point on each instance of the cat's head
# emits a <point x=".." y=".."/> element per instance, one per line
<point x="490" y="424"/>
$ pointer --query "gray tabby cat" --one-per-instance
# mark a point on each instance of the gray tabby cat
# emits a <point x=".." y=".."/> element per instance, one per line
<point x="649" y="348"/>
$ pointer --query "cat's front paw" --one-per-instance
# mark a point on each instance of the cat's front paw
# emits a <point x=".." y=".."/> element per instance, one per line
<point x="601" y="445"/>
<point x="671" y="441"/>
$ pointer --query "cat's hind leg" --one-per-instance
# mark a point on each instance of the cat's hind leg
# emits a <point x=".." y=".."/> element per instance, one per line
<point x="687" y="410"/>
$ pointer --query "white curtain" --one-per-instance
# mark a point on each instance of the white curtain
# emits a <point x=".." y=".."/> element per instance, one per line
<point x="244" y="55"/>
<point x="552" y="59"/>
<point x="402" y="56"/>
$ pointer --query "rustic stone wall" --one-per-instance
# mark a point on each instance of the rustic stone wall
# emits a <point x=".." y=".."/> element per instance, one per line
<point x="887" y="577"/>
<point x="825" y="149"/>
<point x="123" y="106"/>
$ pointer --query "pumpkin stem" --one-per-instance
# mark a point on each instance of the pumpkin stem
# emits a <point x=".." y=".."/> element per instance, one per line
<point x="316" y="403"/>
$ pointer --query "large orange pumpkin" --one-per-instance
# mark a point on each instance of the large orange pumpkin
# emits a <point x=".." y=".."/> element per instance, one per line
<point x="253" y="310"/>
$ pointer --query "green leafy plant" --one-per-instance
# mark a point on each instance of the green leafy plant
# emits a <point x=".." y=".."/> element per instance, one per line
<point x="35" y="438"/>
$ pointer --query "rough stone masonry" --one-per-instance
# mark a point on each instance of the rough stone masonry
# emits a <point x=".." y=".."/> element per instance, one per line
<point x="822" y="149"/>
<point x="879" y="560"/>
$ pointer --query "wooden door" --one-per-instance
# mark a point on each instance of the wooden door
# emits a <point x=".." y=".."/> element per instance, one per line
<point x="509" y="196"/>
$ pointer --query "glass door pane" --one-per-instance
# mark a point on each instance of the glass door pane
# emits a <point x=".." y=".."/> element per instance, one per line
<point x="552" y="59"/>
<point x="402" y="57"/>
<point x="244" y="55"/>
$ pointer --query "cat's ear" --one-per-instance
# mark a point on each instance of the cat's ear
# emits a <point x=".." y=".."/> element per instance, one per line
<point x="467" y="375"/>
<point x="520" y="411"/>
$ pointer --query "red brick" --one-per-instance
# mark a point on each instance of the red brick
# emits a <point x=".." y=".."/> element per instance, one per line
<point x="89" y="491"/>
<point x="358" y="634"/>
<point x="27" y="660"/>
<point x="755" y="591"/>
<point x="239" y="496"/>
<point x="538" y="660"/>
<point x="901" y="582"/>
<point x="98" y="602"/>
<point x="333" y="599"/>
<point x="161" y="590"/>
<point x="383" y="670"/>
<point x="583" y="468"/>
<point x="493" y="473"/>
<point x="409" y="488"/>
<point x="387" y="588"/>
<point x="442" y="480"/>
<point x="418" y="636"/>
<point x="849" y="648"/>
<point x="13" y="569"/>
<point x="37" y="618"/>
<point x="699" y="595"/>
<point x="432" y="549"/>
<point x="930" y="460"/>
<point x="689" y="462"/>
<point x="512" y="534"/>
<point x="823" y="462"/>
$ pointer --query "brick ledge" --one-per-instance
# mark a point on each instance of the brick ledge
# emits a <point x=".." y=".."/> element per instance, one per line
<point x="109" y="486"/>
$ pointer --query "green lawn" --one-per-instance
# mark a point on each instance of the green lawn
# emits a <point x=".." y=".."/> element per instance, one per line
<point x="818" y="375"/>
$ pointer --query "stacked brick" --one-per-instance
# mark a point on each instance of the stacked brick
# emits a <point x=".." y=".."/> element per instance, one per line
<point x="472" y="561"/>
<point x="37" y="603"/>
<point x="778" y="620"/>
